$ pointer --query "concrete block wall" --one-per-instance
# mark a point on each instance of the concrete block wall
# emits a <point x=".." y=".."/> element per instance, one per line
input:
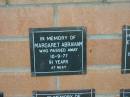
<point x="104" y="20"/>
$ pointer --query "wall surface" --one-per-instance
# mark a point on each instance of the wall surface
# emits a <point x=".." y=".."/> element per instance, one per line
<point x="104" y="20"/>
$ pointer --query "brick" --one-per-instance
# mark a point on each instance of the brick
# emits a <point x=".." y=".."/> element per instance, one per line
<point x="17" y="21"/>
<point x="22" y="84"/>
<point x="2" y="2"/>
<point x="104" y="81"/>
<point x="47" y="1"/>
<point x="104" y="52"/>
<point x="17" y="54"/>
<point x="14" y="54"/>
<point x="99" y="19"/>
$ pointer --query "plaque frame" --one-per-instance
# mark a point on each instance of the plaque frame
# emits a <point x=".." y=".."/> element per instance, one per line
<point x="124" y="92"/>
<point x="1" y="94"/>
<point x="125" y="67"/>
<point x="60" y="30"/>
<point x="89" y="92"/>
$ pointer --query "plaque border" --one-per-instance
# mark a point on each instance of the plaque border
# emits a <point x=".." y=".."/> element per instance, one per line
<point x="1" y="94"/>
<point x="82" y="29"/>
<point x="123" y="91"/>
<point x="125" y="30"/>
<point x="85" y="91"/>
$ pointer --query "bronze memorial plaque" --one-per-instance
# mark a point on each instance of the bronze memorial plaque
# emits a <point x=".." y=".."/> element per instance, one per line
<point x="58" y="51"/>
<point x="71" y="93"/>
<point x="1" y="94"/>
<point x="125" y="50"/>
<point x="125" y="93"/>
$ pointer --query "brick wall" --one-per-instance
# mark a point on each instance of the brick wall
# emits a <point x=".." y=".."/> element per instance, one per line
<point x="104" y="20"/>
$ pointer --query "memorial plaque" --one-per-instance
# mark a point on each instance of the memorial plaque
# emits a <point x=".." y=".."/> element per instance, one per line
<point x="126" y="50"/>
<point x="1" y="94"/>
<point x="58" y="51"/>
<point x="125" y="93"/>
<point x="72" y="93"/>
